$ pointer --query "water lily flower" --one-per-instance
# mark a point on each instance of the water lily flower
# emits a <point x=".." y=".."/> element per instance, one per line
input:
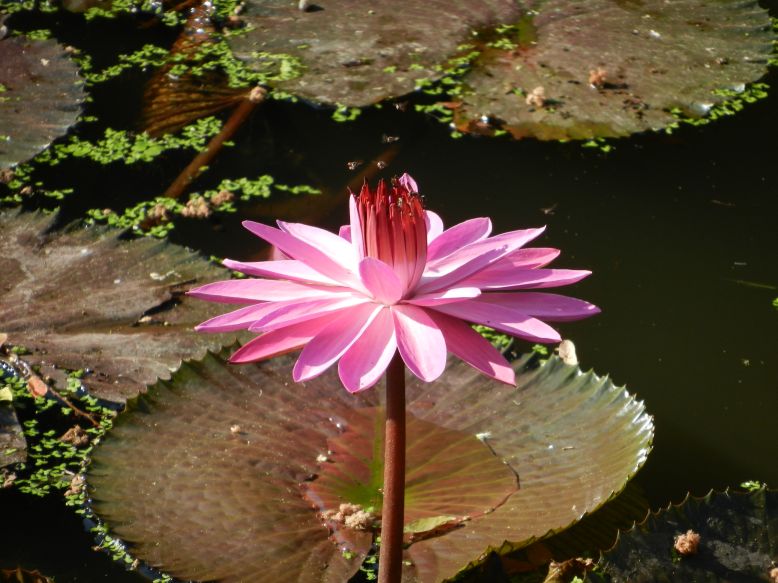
<point x="393" y="280"/>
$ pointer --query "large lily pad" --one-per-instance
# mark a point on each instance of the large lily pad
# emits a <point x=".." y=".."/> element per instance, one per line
<point x="40" y="96"/>
<point x="738" y="541"/>
<point x="250" y="470"/>
<point x="84" y="298"/>
<point x="610" y="68"/>
<point x="354" y="53"/>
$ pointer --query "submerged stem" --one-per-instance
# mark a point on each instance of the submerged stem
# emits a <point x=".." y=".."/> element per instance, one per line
<point x="233" y="124"/>
<point x="390" y="557"/>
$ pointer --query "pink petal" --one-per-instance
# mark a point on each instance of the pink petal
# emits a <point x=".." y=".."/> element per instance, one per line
<point x="454" y="294"/>
<point x="236" y="320"/>
<point x="408" y="183"/>
<point x="553" y="307"/>
<point x="340" y="267"/>
<point x="280" y="341"/>
<point x="526" y="278"/>
<point x="288" y="313"/>
<point x="345" y="232"/>
<point x="466" y="344"/>
<point x="244" y="291"/>
<point x="434" y="225"/>
<point x="335" y="339"/>
<point x="380" y="280"/>
<point x="290" y="269"/>
<point x="531" y="257"/>
<point x="459" y="236"/>
<point x="277" y="255"/>
<point x="502" y="318"/>
<point x="473" y="258"/>
<point x="364" y="363"/>
<point x="420" y="341"/>
<point x="355" y="228"/>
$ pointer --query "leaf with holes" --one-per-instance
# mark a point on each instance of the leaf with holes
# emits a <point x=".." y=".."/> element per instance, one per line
<point x="605" y="68"/>
<point x="40" y="96"/>
<point x="82" y="298"/>
<point x="258" y="479"/>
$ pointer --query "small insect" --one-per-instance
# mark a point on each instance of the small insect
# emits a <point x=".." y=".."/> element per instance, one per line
<point x="401" y="105"/>
<point x="354" y="164"/>
<point x="381" y="164"/>
<point x="389" y="139"/>
<point x="549" y="210"/>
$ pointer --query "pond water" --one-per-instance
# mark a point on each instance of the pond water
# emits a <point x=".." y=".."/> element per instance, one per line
<point x="680" y="231"/>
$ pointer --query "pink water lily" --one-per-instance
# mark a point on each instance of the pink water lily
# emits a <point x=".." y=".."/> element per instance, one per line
<point x="393" y="279"/>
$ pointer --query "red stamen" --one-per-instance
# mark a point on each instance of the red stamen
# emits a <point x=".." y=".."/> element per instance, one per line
<point x="394" y="229"/>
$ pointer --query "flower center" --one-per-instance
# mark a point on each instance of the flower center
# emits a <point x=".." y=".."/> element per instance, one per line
<point x="394" y="229"/>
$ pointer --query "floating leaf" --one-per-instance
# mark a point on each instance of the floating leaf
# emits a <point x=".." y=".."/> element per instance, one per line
<point x="355" y="54"/>
<point x="13" y="446"/>
<point x="40" y="96"/>
<point x="249" y="468"/>
<point x="738" y="541"/>
<point x="451" y="477"/>
<point x="85" y="298"/>
<point x="607" y="68"/>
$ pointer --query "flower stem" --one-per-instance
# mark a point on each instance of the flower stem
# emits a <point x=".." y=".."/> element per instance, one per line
<point x="390" y="557"/>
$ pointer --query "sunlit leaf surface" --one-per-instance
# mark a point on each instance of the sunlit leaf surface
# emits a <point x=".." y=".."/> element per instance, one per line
<point x="355" y="53"/>
<point x="738" y="541"/>
<point x="40" y="96"/>
<point x="245" y="461"/>
<point x="607" y="68"/>
<point x="86" y="299"/>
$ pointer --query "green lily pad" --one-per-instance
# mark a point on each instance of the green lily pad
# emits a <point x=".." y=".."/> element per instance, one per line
<point x="251" y="471"/>
<point x="84" y="298"/>
<point x="738" y="541"/>
<point x="40" y="96"/>
<point x="356" y="54"/>
<point x="609" y="68"/>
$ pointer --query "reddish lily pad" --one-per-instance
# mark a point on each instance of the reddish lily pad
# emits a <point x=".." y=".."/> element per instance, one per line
<point x="608" y="68"/>
<point x="246" y="461"/>
<point x="40" y="96"/>
<point x="356" y="54"/>
<point x="738" y="541"/>
<point x="83" y="298"/>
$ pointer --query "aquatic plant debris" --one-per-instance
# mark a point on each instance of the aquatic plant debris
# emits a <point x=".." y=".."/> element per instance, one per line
<point x="609" y="69"/>
<point x="83" y="298"/>
<point x="40" y="96"/>
<point x="250" y="488"/>
<point x="735" y="531"/>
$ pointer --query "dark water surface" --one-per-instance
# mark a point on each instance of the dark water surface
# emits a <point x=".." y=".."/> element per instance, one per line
<point x="681" y="232"/>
